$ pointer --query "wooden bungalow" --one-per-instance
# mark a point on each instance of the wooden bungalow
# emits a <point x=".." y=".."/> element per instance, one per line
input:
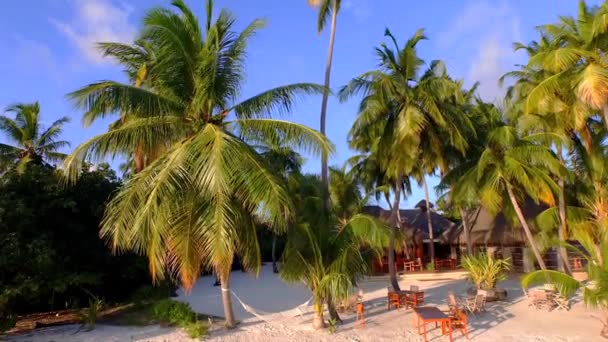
<point x="501" y="236"/>
<point x="414" y="226"/>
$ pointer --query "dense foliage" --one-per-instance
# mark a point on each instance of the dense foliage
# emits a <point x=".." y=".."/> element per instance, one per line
<point x="51" y="256"/>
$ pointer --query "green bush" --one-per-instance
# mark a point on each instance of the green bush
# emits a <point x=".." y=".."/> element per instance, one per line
<point x="173" y="312"/>
<point x="196" y="329"/>
<point x="179" y="314"/>
<point x="484" y="270"/>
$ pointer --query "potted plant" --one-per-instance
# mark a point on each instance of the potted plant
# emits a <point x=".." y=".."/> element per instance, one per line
<point x="485" y="272"/>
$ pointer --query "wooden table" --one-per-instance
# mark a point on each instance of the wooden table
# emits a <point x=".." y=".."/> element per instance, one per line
<point x="431" y="314"/>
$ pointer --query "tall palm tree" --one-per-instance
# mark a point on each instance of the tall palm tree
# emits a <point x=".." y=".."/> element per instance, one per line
<point x="196" y="205"/>
<point x="465" y="202"/>
<point x="331" y="261"/>
<point x="512" y="165"/>
<point x="285" y="162"/>
<point x="403" y="111"/>
<point x="555" y="115"/>
<point x="327" y="8"/>
<point x="577" y="58"/>
<point x="32" y="144"/>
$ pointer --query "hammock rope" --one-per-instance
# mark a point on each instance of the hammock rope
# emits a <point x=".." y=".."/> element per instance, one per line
<point x="283" y="315"/>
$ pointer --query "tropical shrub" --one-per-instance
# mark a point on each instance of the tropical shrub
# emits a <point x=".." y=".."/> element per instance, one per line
<point x="89" y="315"/>
<point x="173" y="312"/>
<point x="179" y="314"/>
<point x="196" y="329"/>
<point x="484" y="270"/>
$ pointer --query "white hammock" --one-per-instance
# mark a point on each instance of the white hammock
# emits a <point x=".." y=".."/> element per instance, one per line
<point x="270" y="317"/>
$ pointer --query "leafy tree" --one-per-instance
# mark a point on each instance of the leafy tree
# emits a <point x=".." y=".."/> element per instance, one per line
<point x="50" y="251"/>
<point x="330" y="261"/>
<point x="32" y="143"/>
<point x="403" y="112"/>
<point x="327" y="8"/>
<point x="195" y="206"/>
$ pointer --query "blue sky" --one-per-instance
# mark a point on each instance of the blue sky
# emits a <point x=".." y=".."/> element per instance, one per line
<point x="49" y="52"/>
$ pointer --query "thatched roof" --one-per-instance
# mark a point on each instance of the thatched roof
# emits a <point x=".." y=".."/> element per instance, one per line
<point x="494" y="230"/>
<point x="414" y="221"/>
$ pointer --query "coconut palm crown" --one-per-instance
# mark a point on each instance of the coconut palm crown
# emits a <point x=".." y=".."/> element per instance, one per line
<point x="31" y="143"/>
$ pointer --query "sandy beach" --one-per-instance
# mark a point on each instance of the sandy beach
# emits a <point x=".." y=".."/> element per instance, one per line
<point x="510" y="321"/>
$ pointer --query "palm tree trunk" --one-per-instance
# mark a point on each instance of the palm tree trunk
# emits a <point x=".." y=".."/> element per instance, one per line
<point x="467" y="232"/>
<point x="227" y="299"/>
<point x="562" y="259"/>
<point x="394" y="224"/>
<point x="524" y="224"/>
<point x="317" y="321"/>
<point x="274" y="258"/>
<point x="330" y="53"/>
<point x="428" y="220"/>
<point x="138" y="159"/>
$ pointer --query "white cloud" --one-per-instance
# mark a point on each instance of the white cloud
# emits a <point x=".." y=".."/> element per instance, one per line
<point x="96" y="21"/>
<point x="488" y="29"/>
<point x="361" y="9"/>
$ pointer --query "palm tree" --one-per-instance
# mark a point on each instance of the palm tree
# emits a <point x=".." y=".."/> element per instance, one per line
<point x="31" y="143"/>
<point x="196" y="205"/>
<point x="402" y="112"/>
<point x="512" y="165"/>
<point x="285" y="162"/>
<point x="459" y="197"/>
<point x="331" y="261"/>
<point x="576" y="58"/>
<point x="554" y="115"/>
<point x="327" y="8"/>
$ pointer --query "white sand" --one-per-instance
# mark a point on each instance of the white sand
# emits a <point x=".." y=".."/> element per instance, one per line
<point x="506" y="321"/>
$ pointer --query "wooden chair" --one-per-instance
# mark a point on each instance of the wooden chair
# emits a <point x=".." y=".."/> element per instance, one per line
<point x="459" y="322"/>
<point x="453" y="306"/>
<point x="393" y="299"/>
<point x="414" y="299"/>
<point x="476" y="304"/>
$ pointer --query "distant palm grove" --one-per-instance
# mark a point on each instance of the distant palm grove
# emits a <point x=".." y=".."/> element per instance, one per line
<point x="212" y="180"/>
